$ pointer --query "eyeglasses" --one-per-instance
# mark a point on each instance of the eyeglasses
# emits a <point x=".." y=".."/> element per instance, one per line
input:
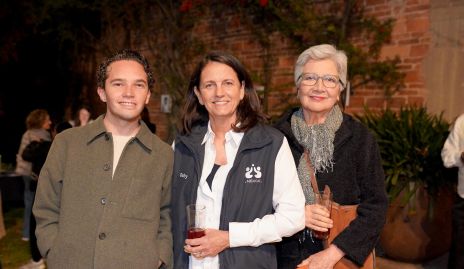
<point x="225" y="84"/>
<point x="329" y="81"/>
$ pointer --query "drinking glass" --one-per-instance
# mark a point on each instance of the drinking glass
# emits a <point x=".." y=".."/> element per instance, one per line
<point x="196" y="218"/>
<point x="323" y="199"/>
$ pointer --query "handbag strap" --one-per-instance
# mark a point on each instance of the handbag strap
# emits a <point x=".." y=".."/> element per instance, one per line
<point x="312" y="174"/>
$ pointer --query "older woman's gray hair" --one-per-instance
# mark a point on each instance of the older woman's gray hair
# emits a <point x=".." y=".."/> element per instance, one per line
<point x="322" y="52"/>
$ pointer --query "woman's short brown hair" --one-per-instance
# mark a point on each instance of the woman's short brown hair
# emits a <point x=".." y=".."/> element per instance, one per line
<point x="248" y="110"/>
<point x="36" y="119"/>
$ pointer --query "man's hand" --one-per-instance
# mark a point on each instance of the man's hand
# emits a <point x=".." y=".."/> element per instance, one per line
<point x="210" y="245"/>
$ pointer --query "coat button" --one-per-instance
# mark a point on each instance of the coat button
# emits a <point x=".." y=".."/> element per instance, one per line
<point x="102" y="236"/>
<point x="106" y="167"/>
<point x="103" y="201"/>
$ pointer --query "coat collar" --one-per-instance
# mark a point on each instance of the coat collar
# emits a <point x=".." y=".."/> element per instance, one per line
<point x="96" y="129"/>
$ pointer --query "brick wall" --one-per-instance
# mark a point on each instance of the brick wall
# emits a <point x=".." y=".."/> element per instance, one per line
<point x="410" y="41"/>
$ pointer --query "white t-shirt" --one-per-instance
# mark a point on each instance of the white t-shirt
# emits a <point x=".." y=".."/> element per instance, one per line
<point x="119" y="142"/>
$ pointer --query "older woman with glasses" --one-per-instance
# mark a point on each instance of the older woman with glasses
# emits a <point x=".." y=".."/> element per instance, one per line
<point x="343" y="155"/>
<point x="239" y="169"/>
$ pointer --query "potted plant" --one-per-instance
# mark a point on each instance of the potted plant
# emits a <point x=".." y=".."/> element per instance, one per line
<point x="418" y="223"/>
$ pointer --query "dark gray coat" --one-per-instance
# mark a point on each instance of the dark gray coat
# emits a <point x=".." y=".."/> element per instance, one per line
<point x="357" y="178"/>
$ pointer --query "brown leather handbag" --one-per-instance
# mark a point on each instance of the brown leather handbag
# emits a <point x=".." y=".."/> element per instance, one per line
<point x="341" y="215"/>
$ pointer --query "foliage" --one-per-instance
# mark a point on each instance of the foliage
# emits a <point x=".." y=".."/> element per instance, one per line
<point x="410" y="143"/>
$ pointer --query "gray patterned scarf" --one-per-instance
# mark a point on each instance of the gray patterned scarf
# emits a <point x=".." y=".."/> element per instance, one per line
<point x="318" y="139"/>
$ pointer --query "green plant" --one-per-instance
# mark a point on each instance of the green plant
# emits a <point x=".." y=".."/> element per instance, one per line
<point x="410" y="143"/>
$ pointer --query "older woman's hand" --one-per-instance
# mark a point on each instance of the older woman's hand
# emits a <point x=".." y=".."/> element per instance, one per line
<point x="317" y="218"/>
<point x="325" y="259"/>
<point x="210" y="245"/>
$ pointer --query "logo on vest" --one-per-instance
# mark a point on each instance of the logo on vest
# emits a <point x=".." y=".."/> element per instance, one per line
<point x="253" y="174"/>
<point x="183" y="175"/>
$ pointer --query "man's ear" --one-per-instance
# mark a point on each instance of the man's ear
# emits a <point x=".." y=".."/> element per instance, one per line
<point x="148" y="97"/>
<point x="102" y="94"/>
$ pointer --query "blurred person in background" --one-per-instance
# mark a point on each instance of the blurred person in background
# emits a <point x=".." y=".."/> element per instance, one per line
<point x="453" y="156"/>
<point x="83" y="116"/>
<point x="38" y="125"/>
<point x="36" y="153"/>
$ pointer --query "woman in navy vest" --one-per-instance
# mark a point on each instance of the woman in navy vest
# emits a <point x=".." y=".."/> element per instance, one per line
<point x="344" y="156"/>
<point x="241" y="170"/>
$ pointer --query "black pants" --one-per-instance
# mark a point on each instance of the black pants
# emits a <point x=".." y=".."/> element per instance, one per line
<point x="35" y="253"/>
<point x="456" y="254"/>
<point x="293" y="250"/>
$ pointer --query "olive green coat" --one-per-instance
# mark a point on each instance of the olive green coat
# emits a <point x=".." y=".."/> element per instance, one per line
<point x="87" y="219"/>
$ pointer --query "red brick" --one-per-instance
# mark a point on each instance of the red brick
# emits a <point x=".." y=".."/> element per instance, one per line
<point x="413" y="61"/>
<point x="374" y="2"/>
<point x="412" y="76"/>
<point x="417" y="8"/>
<point x="407" y="92"/>
<point x="397" y="102"/>
<point x="416" y="101"/>
<point x="354" y="110"/>
<point x="286" y="61"/>
<point x="392" y="51"/>
<point x="417" y="25"/>
<point x="419" y="50"/>
<point x="408" y="41"/>
<point x="375" y="102"/>
<point x="356" y="101"/>
<point x="415" y="85"/>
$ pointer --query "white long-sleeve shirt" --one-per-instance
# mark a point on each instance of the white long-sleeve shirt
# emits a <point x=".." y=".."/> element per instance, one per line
<point x="288" y="199"/>
<point x="452" y="150"/>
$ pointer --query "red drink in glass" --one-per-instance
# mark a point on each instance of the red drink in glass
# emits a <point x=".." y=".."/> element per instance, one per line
<point x="323" y="199"/>
<point x="193" y="233"/>
<point x="196" y="220"/>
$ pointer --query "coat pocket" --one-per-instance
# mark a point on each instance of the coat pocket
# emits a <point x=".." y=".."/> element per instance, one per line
<point x="143" y="200"/>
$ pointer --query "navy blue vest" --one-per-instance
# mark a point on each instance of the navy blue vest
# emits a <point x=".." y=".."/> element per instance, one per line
<point x="247" y="192"/>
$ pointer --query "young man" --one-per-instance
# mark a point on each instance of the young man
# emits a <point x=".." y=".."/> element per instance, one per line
<point x="103" y="194"/>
